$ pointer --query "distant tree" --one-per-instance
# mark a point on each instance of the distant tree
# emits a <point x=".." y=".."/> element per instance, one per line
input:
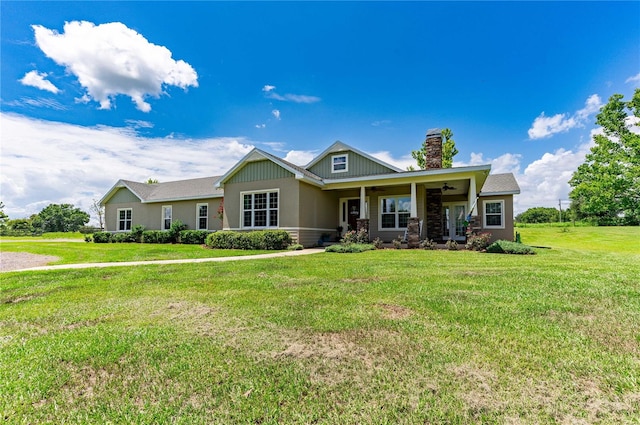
<point x="98" y="210"/>
<point x="152" y="181"/>
<point x="606" y="187"/>
<point x="539" y="215"/>
<point x="62" y="218"/>
<point x="448" y="152"/>
<point x="3" y="216"/>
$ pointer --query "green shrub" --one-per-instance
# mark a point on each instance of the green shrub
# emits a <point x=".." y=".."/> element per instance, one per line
<point x="177" y="226"/>
<point x="350" y="248"/>
<point x="478" y="242"/>
<point x="428" y="244"/>
<point x="156" y="236"/>
<point x="295" y="247"/>
<point x="377" y="243"/>
<point x="102" y="237"/>
<point x="136" y="233"/>
<point x="88" y="238"/>
<point x="193" y="237"/>
<point x="259" y="239"/>
<point x="124" y="237"/>
<point x="85" y="230"/>
<point x="451" y="245"/>
<point x="508" y="247"/>
<point x="352" y="236"/>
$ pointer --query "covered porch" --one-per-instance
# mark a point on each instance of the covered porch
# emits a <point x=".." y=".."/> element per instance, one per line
<point x="431" y="204"/>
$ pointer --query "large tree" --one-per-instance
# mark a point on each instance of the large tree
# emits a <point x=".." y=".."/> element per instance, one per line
<point x="448" y="151"/>
<point x="606" y="187"/>
<point x="539" y="215"/>
<point x="62" y="218"/>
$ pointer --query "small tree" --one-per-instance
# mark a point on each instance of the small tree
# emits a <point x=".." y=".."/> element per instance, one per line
<point x="62" y="218"/>
<point x="606" y="187"/>
<point x="98" y="210"/>
<point x="538" y="215"/>
<point x="448" y="151"/>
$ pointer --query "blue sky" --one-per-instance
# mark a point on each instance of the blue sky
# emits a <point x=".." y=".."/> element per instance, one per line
<point x="96" y="91"/>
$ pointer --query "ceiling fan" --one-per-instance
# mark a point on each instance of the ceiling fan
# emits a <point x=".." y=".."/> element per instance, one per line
<point x="447" y="187"/>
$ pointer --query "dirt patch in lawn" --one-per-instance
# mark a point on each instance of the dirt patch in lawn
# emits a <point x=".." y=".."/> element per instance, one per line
<point x="23" y="260"/>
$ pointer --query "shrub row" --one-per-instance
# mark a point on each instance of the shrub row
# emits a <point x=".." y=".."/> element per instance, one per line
<point x="259" y="239"/>
<point x="350" y="248"/>
<point x="508" y="247"/>
<point x="138" y="235"/>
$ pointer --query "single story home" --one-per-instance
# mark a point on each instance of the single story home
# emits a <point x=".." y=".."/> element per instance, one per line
<point x="343" y="188"/>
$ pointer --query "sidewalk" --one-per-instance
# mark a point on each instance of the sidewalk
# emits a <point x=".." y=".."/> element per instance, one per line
<point x="183" y="261"/>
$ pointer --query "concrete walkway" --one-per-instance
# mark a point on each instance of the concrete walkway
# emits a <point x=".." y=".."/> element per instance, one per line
<point x="183" y="261"/>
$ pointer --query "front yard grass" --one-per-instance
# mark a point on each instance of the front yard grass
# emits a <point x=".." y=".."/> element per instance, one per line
<point x="378" y="337"/>
<point x="75" y="252"/>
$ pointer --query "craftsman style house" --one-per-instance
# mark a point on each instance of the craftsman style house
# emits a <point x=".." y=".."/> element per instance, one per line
<point x="343" y="188"/>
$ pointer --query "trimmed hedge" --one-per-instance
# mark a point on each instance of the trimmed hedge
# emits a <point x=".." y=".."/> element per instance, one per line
<point x="156" y="236"/>
<point x="259" y="239"/>
<point x="102" y="237"/>
<point x="508" y="247"/>
<point x="193" y="237"/>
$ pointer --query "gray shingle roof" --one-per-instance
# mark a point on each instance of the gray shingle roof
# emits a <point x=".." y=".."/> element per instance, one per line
<point x="500" y="184"/>
<point x="182" y="189"/>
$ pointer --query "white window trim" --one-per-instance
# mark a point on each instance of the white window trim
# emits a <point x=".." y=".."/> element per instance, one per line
<point x="484" y="213"/>
<point x="380" y="212"/>
<point x="164" y="207"/>
<point x="125" y="220"/>
<point x="253" y="192"/>
<point x="198" y="217"/>
<point x="346" y="163"/>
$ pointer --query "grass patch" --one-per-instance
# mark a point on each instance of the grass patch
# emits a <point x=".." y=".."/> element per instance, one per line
<point x="74" y="252"/>
<point x="586" y="238"/>
<point x="386" y="336"/>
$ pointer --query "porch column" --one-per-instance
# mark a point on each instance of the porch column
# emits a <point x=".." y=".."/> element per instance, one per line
<point x="363" y="203"/>
<point x="414" y="201"/>
<point x="472" y="194"/>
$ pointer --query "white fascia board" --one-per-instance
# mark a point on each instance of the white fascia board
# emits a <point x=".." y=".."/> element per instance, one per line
<point x="507" y="192"/>
<point x="119" y="185"/>
<point x="187" y="198"/>
<point x="413" y="174"/>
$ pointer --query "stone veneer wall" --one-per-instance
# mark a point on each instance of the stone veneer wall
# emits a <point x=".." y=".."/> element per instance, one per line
<point x="434" y="214"/>
<point x="433" y="142"/>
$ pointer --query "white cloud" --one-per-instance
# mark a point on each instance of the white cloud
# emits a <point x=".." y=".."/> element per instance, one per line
<point x="296" y="98"/>
<point x="544" y="126"/>
<point x="111" y="59"/>
<point x="381" y="123"/>
<point x="44" y="162"/>
<point x="633" y="79"/>
<point x="261" y="125"/>
<point x="300" y="158"/>
<point x="38" y="80"/>
<point x="39" y="102"/>
<point x="276" y="114"/>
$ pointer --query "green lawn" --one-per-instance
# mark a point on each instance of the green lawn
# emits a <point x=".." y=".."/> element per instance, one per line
<point x="75" y="252"/>
<point x="379" y="337"/>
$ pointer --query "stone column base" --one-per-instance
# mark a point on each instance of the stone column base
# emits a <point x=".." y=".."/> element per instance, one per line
<point x="413" y="233"/>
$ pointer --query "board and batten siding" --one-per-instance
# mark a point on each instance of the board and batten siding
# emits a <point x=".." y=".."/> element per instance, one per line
<point x="357" y="165"/>
<point x="259" y="171"/>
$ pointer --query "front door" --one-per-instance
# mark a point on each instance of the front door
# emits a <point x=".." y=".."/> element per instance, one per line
<point x="353" y="214"/>
<point x="453" y="220"/>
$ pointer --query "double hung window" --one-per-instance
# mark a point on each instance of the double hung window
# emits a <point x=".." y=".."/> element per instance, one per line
<point x="340" y="163"/>
<point x="202" y="216"/>
<point x="166" y="217"/>
<point x="494" y="214"/>
<point x="395" y="212"/>
<point x="260" y="209"/>
<point x="124" y="219"/>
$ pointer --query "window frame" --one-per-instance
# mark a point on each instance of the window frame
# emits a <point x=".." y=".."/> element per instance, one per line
<point x="124" y="220"/>
<point x="268" y="209"/>
<point x="163" y="219"/>
<point x="396" y="213"/>
<point x="346" y="163"/>
<point x="485" y="204"/>
<point x="199" y="217"/>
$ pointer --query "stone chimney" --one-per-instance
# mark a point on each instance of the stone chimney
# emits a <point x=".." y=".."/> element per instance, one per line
<point x="433" y="158"/>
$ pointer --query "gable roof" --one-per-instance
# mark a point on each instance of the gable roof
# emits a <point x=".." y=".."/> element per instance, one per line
<point x="259" y="155"/>
<point x="180" y="190"/>
<point x="500" y="184"/>
<point x="338" y="146"/>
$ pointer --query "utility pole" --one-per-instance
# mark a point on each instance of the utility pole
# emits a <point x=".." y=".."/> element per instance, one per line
<point x="560" y="208"/>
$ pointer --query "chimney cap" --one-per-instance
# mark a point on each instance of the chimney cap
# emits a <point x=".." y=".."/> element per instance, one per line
<point x="434" y="132"/>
